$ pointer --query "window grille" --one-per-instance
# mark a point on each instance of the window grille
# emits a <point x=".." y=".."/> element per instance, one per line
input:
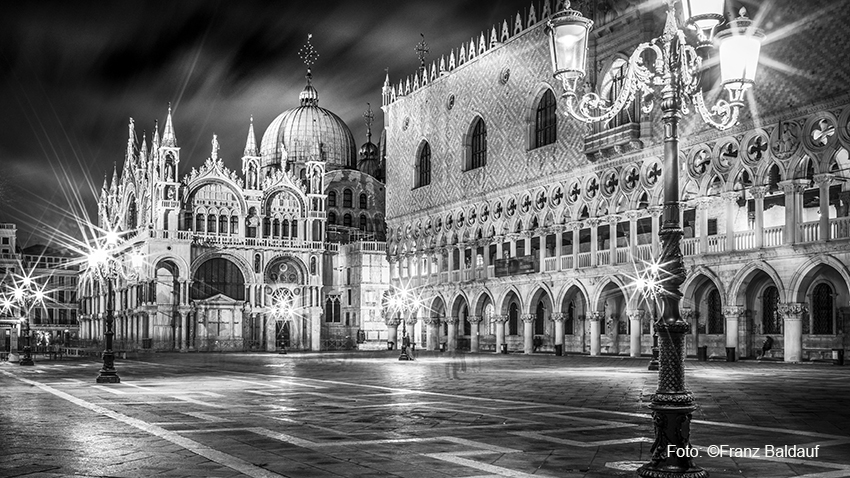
<point x="424" y="166"/>
<point x="478" y="153"/>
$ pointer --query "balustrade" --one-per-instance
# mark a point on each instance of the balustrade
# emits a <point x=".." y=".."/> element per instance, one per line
<point x="566" y="262"/>
<point x="603" y="258"/>
<point x="690" y="246"/>
<point x="491" y="271"/>
<point x="550" y="264"/>
<point x="774" y="236"/>
<point x="623" y="255"/>
<point x="644" y="252"/>
<point x="584" y="259"/>
<point x="745" y="240"/>
<point x="810" y="231"/>
<point x="716" y="243"/>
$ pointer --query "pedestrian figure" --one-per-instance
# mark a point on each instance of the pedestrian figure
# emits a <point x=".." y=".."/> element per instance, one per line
<point x="768" y="344"/>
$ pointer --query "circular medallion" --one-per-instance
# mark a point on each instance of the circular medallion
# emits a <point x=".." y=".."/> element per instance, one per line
<point x="450" y="102"/>
<point x="504" y="75"/>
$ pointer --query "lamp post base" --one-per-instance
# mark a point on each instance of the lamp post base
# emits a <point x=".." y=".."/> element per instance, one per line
<point x="108" y="376"/>
<point x="26" y="359"/>
<point x="404" y="355"/>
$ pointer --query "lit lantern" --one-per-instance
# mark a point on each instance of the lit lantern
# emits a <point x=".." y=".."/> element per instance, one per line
<point x="739" y="47"/>
<point x="705" y="14"/>
<point x="568" y="32"/>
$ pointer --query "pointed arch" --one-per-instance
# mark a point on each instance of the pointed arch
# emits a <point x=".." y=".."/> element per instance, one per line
<point x="806" y="273"/>
<point x="738" y="287"/>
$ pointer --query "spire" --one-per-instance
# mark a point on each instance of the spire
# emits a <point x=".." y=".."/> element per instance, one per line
<point x="168" y="137"/>
<point x="131" y="142"/>
<point x="251" y="143"/>
<point x="143" y="155"/>
<point x="155" y="142"/>
<point x="113" y="188"/>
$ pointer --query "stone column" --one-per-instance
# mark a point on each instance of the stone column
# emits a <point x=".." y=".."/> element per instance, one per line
<point x="823" y="181"/>
<point x="528" y="332"/>
<point x="576" y="227"/>
<point x="655" y="212"/>
<point x="701" y="230"/>
<point x="433" y="339"/>
<point x="733" y="315"/>
<point x="593" y="223"/>
<point x="474" y="337"/>
<point x="500" y="330"/>
<point x="792" y="313"/>
<point x="613" y="220"/>
<point x="271" y="332"/>
<point x="559" y="318"/>
<point x="596" y="319"/>
<point x="792" y="227"/>
<point x="730" y="198"/>
<point x="633" y="238"/>
<point x="184" y="328"/>
<point x="392" y="330"/>
<point x="411" y="327"/>
<point x="689" y="317"/>
<point x="451" y="340"/>
<point x="759" y="193"/>
<point x="635" y="316"/>
<point x="559" y="239"/>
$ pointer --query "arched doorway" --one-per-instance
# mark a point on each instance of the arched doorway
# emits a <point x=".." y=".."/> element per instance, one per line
<point x="218" y="293"/>
<point x="574" y="307"/>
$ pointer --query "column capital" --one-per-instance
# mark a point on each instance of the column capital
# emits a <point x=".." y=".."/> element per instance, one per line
<point x="499" y="318"/>
<point x="431" y="320"/>
<point x="730" y="196"/>
<point x="559" y="317"/>
<point x="793" y="185"/>
<point x="792" y="311"/>
<point x="613" y="218"/>
<point x="574" y="225"/>
<point x="632" y="214"/>
<point x="635" y="314"/>
<point x="823" y="178"/>
<point x="452" y="320"/>
<point x="411" y="320"/>
<point x="474" y="319"/>
<point x="592" y="221"/>
<point x="686" y="314"/>
<point x="704" y="203"/>
<point x="759" y="192"/>
<point x="596" y="316"/>
<point x="393" y="321"/>
<point x="528" y="318"/>
<point x="656" y="211"/>
<point x="733" y="312"/>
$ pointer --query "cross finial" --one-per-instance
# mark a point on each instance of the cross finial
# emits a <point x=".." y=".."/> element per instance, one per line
<point x="369" y="117"/>
<point x="421" y="50"/>
<point x="307" y="53"/>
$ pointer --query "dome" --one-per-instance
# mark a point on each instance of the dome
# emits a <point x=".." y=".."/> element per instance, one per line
<point x="299" y="131"/>
<point x="369" y="151"/>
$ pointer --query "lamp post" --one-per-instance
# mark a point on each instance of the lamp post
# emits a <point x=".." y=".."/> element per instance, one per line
<point x="105" y="265"/>
<point x="403" y="301"/>
<point x="282" y="308"/>
<point x="672" y="63"/>
<point x="26" y="295"/>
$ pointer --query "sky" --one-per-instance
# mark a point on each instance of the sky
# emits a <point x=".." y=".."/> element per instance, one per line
<point x="73" y="73"/>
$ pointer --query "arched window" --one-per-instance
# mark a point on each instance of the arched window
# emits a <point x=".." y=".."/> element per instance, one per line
<point x="362" y="222"/>
<point x="199" y="223"/>
<point x="331" y="217"/>
<point x="715" y="315"/>
<point x="211" y="223"/>
<point x="332" y="199"/>
<point x="423" y="165"/>
<point x="540" y="319"/>
<point x="346" y="220"/>
<point x="267" y="223"/>
<point x="770" y="320"/>
<point x="293" y="228"/>
<point x="222" y="224"/>
<point x="285" y="228"/>
<point x="477" y="149"/>
<point x="346" y="198"/>
<point x="132" y="214"/>
<point x="546" y="120"/>
<point x="363" y="201"/>
<point x="571" y="316"/>
<point x="612" y="87"/>
<point x="218" y="276"/>
<point x="276" y="228"/>
<point x="822" y="309"/>
<point x="234" y="224"/>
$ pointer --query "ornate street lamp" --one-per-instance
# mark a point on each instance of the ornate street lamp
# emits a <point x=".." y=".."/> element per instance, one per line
<point x="402" y="302"/>
<point x="282" y="307"/>
<point x="26" y="296"/>
<point x="105" y="263"/>
<point x="672" y="63"/>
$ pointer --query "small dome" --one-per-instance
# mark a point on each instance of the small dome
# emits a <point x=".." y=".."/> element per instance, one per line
<point x="369" y="151"/>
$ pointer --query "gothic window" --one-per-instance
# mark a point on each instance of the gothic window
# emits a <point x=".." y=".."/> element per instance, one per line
<point x="218" y="276"/>
<point x="132" y="214"/>
<point x="234" y="224"/>
<point x="423" y="165"/>
<point x="332" y="312"/>
<point x="513" y="319"/>
<point x="477" y="149"/>
<point x="222" y="224"/>
<point x="276" y="228"/>
<point x="546" y="120"/>
<point x="266" y="226"/>
<point x="211" y="223"/>
<point x="346" y="220"/>
<point x="571" y="316"/>
<point x="285" y="228"/>
<point x="715" y="316"/>
<point x="331" y="217"/>
<point x="822" y="309"/>
<point x="332" y="199"/>
<point x="199" y="223"/>
<point x="257" y="263"/>
<point x="293" y="228"/>
<point x="363" y="201"/>
<point x="346" y="198"/>
<point x="612" y="87"/>
<point x="770" y="319"/>
<point x="362" y="222"/>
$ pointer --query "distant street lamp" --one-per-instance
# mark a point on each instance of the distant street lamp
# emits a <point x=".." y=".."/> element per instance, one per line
<point x="105" y="263"/>
<point x="402" y="301"/>
<point x="672" y="63"/>
<point x="282" y="308"/>
<point x="25" y="295"/>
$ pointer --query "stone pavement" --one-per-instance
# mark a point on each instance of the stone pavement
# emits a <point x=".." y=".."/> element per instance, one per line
<point x="366" y="414"/>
